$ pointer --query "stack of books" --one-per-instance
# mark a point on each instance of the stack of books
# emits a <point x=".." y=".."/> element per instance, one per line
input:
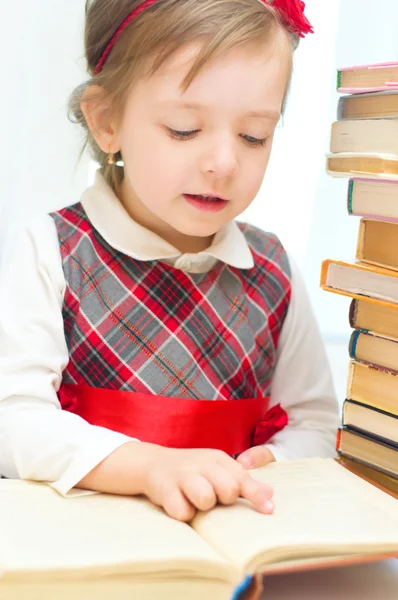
<point x="364" y="147"/>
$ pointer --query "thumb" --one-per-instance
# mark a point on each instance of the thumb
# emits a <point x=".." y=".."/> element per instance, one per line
<point x="258" y="456"/>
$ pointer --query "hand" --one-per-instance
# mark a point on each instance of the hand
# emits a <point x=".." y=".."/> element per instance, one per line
<point x="258" y="456"/>
<point x="184" y="481"/>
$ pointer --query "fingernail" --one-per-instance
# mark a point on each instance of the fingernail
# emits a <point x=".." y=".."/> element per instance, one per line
<point x="269" y="506"/>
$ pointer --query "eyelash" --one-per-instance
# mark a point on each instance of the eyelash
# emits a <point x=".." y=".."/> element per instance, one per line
<point x="187" y="135"/>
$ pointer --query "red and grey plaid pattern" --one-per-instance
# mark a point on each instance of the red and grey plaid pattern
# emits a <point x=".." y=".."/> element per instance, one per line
<point x="144" y="326"/>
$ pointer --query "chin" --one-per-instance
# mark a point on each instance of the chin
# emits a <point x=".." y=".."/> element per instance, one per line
<point x="200" y="227"/>
<point x="200" y="231"/>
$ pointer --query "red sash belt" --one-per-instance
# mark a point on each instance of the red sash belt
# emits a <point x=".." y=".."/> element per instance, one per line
<point x="232" y="426"/>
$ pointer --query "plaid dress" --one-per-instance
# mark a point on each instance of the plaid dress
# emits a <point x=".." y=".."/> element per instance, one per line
<point x="145" y="326"/>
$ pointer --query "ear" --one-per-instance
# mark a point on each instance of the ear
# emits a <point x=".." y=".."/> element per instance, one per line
<point x="96" y="107"/>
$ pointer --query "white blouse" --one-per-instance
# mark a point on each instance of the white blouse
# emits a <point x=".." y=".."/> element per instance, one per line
<point x="38" y="440"/>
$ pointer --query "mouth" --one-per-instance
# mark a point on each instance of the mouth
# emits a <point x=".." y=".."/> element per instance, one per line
<point x="204" y="202"/>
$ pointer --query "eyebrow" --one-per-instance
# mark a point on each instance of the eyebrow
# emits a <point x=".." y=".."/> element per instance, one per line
<point x="264" y="114"/>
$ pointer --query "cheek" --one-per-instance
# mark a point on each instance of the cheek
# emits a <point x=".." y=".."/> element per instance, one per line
<point x="255" y="169"/>
<point x="152" y="164"/>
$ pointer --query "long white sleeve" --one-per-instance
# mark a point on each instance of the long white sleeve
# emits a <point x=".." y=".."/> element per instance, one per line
<point x="38" y="440"/>
<point x="302" y="383"/>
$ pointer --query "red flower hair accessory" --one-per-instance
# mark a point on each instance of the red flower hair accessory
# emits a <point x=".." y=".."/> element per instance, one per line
<point x="293" y="17"/>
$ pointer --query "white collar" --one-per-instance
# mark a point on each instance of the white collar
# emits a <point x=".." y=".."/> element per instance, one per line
<point x="115" y="225"/>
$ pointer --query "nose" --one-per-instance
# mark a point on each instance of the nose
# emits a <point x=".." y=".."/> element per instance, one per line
<point x="221" y="158"/>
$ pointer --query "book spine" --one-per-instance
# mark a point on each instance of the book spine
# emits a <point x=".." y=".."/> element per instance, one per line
<point x="349" y="195"/>
<point x="341" y="108"/>
<point x="338" y="80"/>
<point x="361" y="240"/>
<point x="324" y="273"/>
<point x="353" y="312"/>
<point x="343" y="412"/>
<point x="352" y="346"/>
<point x="242" y="588"/>
<point x="338" y="440"/>
<point x="350" y="378"/>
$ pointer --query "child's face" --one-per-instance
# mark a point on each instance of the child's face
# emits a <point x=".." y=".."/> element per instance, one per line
<point x="222" y="158"/>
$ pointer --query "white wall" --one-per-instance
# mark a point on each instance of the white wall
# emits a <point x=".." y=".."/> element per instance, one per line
<point x="286" y="200"/>
<point x="41" y="64"/>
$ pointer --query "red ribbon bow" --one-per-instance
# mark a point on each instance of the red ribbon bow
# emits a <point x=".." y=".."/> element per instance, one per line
<point x="292" y="12"/>
<point x="273" y="421"/>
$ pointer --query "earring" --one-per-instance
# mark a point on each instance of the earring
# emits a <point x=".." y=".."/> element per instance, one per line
<point x="111" y="160"/>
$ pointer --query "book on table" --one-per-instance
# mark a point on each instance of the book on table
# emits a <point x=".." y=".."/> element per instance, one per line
<point x="371" y="421"/>
<point x="373" y="386"/>
<point x="359" y="280"/>
<point x="369" y="432"/>
<point x="374" y="317"/>
<point x="360" y="79"/>
<point x="376" y="105"/>
<point x="362" y="164"/>
<point x="363" y="139"/>
<point x="383" y="480"/>
<point x="374" y="350"/>
<point x="372" y="136"/>
<point x="375" y="199"/>
<point x="377" y="453"/>
<point x="100" y="546"/>
<point x="377" y="243"/>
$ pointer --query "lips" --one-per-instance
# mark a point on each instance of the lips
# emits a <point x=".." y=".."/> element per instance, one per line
<point x="206" y="202"/>
<point x="208" y="197"/>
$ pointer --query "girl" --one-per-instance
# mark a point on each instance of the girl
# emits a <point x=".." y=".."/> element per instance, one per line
<point x="149" y="343"/>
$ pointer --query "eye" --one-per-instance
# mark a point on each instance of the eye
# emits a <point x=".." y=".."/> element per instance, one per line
<point x="182" y="135"/>
<point x="252" y="141"/>
<point x="187" y="135"/>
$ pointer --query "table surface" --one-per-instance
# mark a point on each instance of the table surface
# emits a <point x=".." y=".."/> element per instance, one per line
<point x="374" y="581"/>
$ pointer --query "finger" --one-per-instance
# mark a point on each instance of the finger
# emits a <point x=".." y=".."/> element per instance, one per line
<point x="259" y="494"/>
<point x="226" y="483"/>
<point x="177" y="506"/>
<point x="199" y="491"/>
<point x="229" y="463"/>
<point x="232" y="466"/>
<point x="246" y="459"/>
<point x="258" y="456"/>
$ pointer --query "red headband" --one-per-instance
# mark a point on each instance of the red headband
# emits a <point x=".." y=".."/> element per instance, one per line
<point x="291" y="11"/>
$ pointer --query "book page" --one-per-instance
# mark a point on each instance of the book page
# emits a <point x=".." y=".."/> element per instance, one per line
<point x="321" y="510"/>
<point x="43" y="532"/>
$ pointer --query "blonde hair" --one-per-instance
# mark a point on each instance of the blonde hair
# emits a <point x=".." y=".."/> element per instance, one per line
<point x="158" y="32"/>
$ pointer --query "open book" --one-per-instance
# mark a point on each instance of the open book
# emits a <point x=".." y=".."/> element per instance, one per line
<point x="103" y="546"/>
